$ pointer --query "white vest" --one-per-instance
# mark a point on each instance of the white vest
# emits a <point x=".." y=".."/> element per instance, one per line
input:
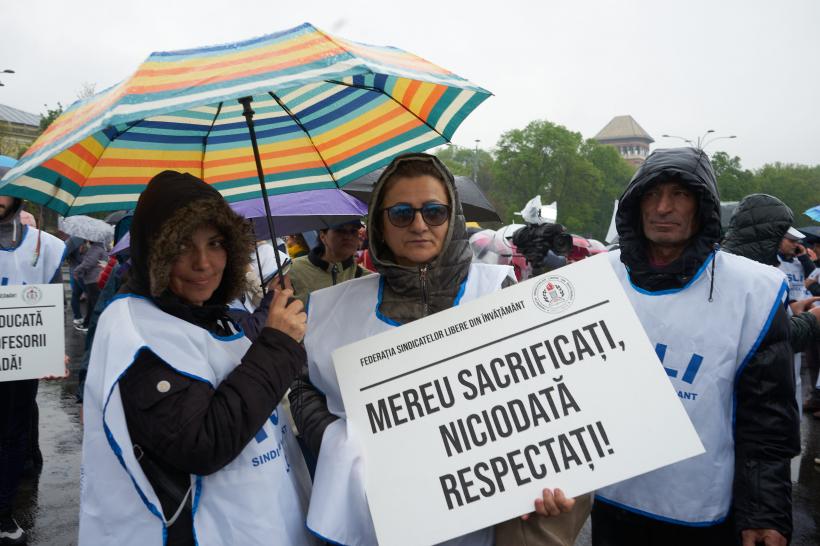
<point x="17" y="265"/>
<point x="258" y="498"/>
<point x="795" y="277"/>
<point x="704" y="347"/>
<point x="340" y="315"/>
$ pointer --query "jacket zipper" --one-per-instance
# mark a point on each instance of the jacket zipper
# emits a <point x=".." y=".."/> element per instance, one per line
<point x="423" y="280"/>
<point x="333" y="271"/>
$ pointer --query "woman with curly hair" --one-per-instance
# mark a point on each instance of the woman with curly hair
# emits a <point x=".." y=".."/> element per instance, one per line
<point x="183" y="439"/>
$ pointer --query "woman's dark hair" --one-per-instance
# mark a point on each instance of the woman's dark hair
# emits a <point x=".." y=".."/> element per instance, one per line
<point x="412" y="168"/>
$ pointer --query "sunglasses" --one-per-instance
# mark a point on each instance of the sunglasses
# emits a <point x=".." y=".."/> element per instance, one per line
<point x="433" y="214"/>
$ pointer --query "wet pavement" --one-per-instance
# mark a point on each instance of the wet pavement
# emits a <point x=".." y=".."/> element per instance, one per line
<point x="49" y="506"/>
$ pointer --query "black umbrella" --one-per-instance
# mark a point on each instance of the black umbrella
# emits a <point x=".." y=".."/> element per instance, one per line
<point x="476" y="207"/>
<point x="812" y="233"/>
<point x="115" y="217"/>
<point x="727" y="210"/>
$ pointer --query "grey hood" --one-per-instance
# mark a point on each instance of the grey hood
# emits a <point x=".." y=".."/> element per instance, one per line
<point x="404" y="292"/>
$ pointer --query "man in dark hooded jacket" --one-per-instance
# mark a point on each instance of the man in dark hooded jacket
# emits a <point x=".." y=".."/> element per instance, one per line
<point x="758" y="226"/>
<point x="720" y="330"/>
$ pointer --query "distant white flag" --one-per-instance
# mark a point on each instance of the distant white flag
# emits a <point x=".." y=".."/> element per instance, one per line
<point x="536" y="213"/>
<point x="612" y="232"/>
<point x="549" y="213"/>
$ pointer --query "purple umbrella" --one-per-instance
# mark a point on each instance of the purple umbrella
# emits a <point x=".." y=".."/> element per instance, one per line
<point x="293" y="212"/>
<point x="302" y="211"/>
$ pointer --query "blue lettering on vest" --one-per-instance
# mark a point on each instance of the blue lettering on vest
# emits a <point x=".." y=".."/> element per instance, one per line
<point x="691" y="369"/>
<point x="271" y="455"/>
<point x="261" y="436"/>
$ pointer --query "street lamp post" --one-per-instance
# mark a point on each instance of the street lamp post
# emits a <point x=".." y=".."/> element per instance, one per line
<point x="475" y="162"/>
<point x="702" y="141"/>
<point x="717" y="138"/>
<point x="6" y="71"/>
<point x="686" y="140"/>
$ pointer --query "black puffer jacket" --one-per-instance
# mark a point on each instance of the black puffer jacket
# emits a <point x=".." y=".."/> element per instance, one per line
<point x="755" y="232"/>
<point x="757" y="227"/>
<point x="766" y="426"/>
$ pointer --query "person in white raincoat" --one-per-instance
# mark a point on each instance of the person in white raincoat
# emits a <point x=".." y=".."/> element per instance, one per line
<point x="422" y="256"/>
<point x="183" y="443"/>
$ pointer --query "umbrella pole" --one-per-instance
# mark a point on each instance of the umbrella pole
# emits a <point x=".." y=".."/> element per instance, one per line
<point x="259" y="262"/>
<point x="248" y="113"/>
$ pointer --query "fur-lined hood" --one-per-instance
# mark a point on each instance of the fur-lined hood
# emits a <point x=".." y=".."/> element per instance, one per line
<point x="170" y="209"/>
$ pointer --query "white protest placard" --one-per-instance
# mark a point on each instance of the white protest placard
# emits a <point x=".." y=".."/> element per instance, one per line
<point x="32" y="335"/>
<point x="466" y="415"/>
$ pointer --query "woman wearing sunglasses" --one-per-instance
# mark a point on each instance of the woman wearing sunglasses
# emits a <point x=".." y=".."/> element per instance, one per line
<point x="419" y="247"/>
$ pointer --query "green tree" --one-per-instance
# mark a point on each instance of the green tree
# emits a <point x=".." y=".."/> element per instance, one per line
<point x="734" y="182"/>
<point x="615" y="175"/>
<point x="796" y="185"/>
<point x="50" y="115"/>
<point x="467" y="162"/>
<point x="546" y="159"/>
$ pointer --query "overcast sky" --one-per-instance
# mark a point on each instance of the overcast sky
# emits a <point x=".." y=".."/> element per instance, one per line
<point x="745" y="67"/>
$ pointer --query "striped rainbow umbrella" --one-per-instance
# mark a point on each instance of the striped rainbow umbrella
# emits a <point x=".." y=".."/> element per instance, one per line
<point x="325" y="111"/>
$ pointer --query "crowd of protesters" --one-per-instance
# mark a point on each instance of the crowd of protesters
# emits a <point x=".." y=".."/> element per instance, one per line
<point x="196" y="334"/>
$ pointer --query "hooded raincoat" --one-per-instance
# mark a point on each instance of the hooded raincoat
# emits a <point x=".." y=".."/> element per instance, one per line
<point x="755" y="231"/>
<point x="720" y="328"/>
<point x="182" y="442"/>
<point x="356" y="309"/>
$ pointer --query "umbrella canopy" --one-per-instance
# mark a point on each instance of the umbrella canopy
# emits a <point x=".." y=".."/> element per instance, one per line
<point x="476" y="206"/>
<point x="327" y="110"/>
<point x="813" y="213"/>
<point x="6" y="163"/>
<point x="727" y="210"/>
<point x="87" y="228"/>
<point x="117" y="216"/>
<point x="302" y="211"/>
<point x="293" y="213"/>
<point x="812" y="232"/>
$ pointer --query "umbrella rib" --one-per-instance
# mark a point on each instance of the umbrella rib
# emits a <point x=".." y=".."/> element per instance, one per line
<point x="205" y="140"/>
<point x="376" y="89"/>
<point x="304" y="130"/>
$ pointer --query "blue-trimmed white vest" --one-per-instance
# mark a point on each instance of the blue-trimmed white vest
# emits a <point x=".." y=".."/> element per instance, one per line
<point x="795" y="277"/>
<point x="258" y="498"/>
<point x="21" y="265"/>
<point x="338" y="316"/>
<point x="703" y="346"/>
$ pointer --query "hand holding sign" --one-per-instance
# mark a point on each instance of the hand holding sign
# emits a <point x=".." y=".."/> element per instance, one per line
<point x="552" y="504"/>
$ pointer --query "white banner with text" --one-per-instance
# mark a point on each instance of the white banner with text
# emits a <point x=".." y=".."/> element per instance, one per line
<point x="466" y="415"/>
<point x="32" y="334"/>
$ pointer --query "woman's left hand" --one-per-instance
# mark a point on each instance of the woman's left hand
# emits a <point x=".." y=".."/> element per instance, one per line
<point x="552" y="504"/>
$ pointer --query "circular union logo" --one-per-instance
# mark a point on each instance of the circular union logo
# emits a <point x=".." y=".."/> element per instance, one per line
<point x="553" y="294"/>
<point x="31" y="295"/>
